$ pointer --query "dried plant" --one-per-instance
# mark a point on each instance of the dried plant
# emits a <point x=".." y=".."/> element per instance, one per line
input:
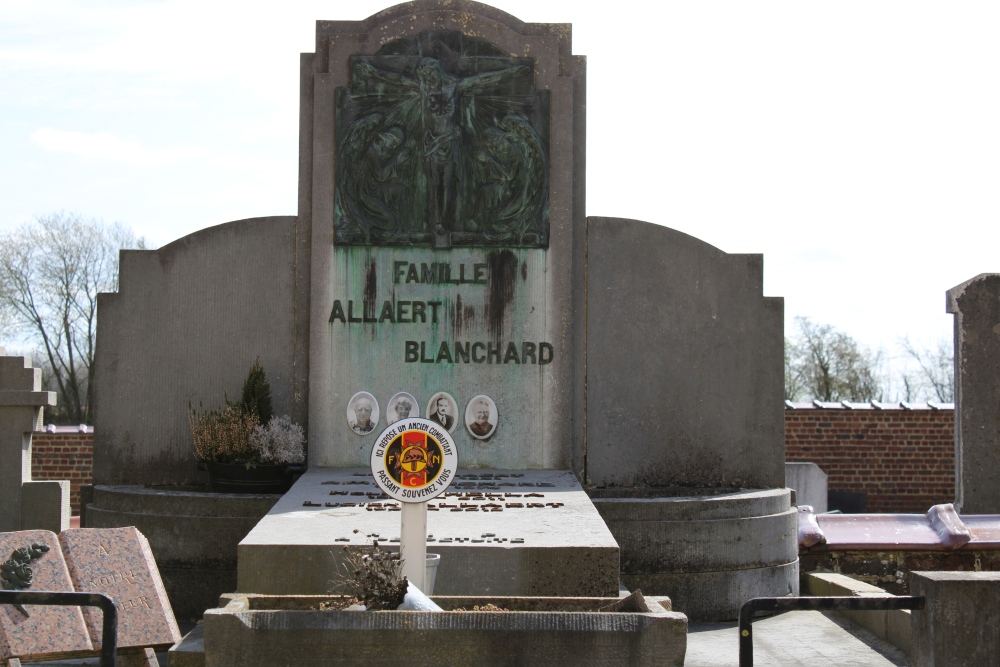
<point x="486" y="607"/>
<point x="280" y="441"/>
<point x="223" y="436"/>
<point x="371" y="575"/>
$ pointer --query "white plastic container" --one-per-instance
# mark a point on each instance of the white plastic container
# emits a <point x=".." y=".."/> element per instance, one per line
<point x="430" y="572"/>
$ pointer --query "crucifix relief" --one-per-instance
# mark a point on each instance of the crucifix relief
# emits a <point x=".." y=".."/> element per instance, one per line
<point x="442" y="141"/>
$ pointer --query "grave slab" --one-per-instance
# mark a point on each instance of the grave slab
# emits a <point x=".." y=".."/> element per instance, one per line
<point x="499" y="532"/>
<point x="119" y="563"/>
<point x="49" y="632"/>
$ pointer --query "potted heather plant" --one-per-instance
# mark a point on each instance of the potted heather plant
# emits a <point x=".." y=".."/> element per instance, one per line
<point x="244" y="447"/>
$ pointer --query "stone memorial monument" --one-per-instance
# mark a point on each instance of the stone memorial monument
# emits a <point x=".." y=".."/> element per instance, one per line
<point x="613" y="387"/>
<point x="976" y="307"/>
<point x="25" y="504"/>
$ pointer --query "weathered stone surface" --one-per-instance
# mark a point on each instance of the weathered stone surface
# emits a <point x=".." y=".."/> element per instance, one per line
<point x="976" y="307"/>
<point x="190" y="651"/>
<point x="684" y="363"/>
<point x="718" y="596"/>
<point x="21" y="402"/>
<point x="565" y="550"/>
<point x="45" y="505"/>
<point x="184" y="328"/>
<point x="253" y="630"/>
<point x="49" y="631"/>
<point x="892" y="625"/>
<point x="119" y="563"/>
<point x="810" y="484"/>
<point x="890" y="570"/>
<point x="193" y="536"/>
<point x="960" y="624"/>
<point x="710" y="554"/>
<point x="525" y="296"/>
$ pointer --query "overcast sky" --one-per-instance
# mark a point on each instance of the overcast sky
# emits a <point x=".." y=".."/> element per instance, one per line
<point x="855" y="144"/>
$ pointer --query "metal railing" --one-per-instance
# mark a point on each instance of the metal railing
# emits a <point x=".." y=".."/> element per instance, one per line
<point x="109" y="627"/>
<point x="837" y="603"/>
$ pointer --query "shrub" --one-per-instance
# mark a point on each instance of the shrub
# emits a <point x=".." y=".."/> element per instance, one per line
<point x="256" y="398"/>
<point x="279" y="441"/>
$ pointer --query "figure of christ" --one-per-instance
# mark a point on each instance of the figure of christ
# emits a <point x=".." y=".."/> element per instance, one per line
<point x="439" y="95"/>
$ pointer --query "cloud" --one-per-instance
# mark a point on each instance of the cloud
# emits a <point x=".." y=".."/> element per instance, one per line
<point x="106" y="146"/>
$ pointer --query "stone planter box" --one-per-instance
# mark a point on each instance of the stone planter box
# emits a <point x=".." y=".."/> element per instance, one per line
<point x="254" y="630"/>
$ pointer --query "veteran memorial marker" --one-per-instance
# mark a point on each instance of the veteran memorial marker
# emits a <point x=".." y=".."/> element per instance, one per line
<point x="414" y="461"/>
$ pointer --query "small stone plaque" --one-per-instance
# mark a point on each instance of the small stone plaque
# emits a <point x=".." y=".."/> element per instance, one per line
<point x="50" y="632"/>
<point x="119" y="563"/>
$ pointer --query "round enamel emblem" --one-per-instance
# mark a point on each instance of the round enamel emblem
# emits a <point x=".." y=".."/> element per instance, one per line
<point x="414" y="460"/>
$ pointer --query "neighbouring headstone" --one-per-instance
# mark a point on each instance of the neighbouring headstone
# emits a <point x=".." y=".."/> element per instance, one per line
<point x="810" y="485"/>
<point x="45" y="505"/>
<point x="47" y="632"/>
<point x="976" y="307"/>
<point x="21" y="403"/>
<point x="960" y="621"/>
<point x="119" y="563"/>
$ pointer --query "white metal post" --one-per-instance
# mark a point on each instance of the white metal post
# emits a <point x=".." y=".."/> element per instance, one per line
<point x="413" y="541"/>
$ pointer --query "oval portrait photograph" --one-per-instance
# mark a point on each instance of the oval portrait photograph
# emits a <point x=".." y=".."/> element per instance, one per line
<point x="401" y="406"/>
<point x="481" y="417"/>
<point x="362" y="413"/>
<point x="443" y="410"/>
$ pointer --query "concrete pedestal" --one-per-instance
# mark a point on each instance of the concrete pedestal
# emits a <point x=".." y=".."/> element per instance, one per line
<point x="21" y="403"/>
<point x="263" y="630"/>
<point x="710" y="554"/>
<point x="193" y="535"/>
<point x="960" y="624"/>
<point x="555" y="543"/>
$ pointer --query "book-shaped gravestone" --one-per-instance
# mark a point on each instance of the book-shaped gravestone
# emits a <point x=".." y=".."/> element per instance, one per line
<point x="118" y="562"/>
<point x="34" y="562"/>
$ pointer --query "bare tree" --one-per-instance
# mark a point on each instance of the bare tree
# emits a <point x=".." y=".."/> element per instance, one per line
<point x="828" y="365"/>
<point x="793" y="377"/>
<point x="50" y="273"/>
<point x="936" y="377"/>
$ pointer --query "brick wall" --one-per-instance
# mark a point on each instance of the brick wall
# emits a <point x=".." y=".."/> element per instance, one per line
<point x="903" y="459"/>
<point x="64" y="456"/>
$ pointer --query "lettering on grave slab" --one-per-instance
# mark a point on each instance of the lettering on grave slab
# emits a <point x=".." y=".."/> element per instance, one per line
<point x="119" y="563"/>
<point x="446" y="314"/>
<point x="442" y="141"/>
